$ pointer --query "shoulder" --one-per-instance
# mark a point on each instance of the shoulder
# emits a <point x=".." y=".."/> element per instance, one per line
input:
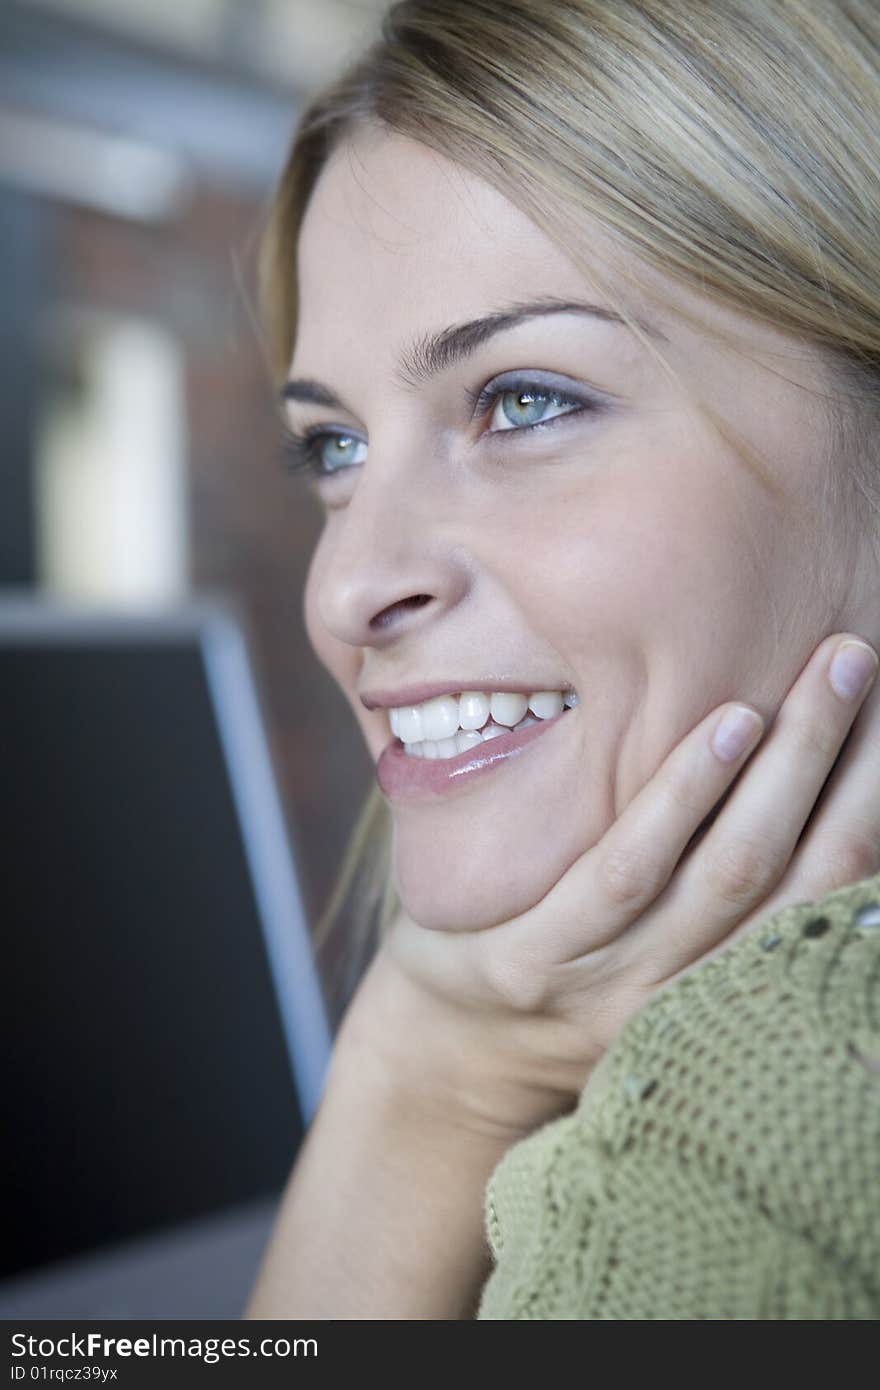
<point x="732" y="1128"/>
<point x="799" y="994"/>
<point x="771" y="1045"/>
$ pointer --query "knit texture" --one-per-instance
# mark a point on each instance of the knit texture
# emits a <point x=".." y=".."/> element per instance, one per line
<point x="723" y="1160"/>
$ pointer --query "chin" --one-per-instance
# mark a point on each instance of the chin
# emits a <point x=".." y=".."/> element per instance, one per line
<point x="474" y="896"/>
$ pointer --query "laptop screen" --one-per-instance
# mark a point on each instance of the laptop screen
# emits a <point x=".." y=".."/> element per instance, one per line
<point x="163" y="1026"/>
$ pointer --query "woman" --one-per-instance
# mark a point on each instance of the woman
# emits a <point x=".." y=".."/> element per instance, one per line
<point x="578" y="314"/>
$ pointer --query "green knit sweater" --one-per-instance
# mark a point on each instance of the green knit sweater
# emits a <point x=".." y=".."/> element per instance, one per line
<point x="723" y="1160"/>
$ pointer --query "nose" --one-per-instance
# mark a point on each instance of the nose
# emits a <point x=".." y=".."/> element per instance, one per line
<point x="393" y="560"/>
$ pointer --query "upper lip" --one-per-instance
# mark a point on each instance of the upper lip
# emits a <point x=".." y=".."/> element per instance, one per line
<point x="415" y="694"/>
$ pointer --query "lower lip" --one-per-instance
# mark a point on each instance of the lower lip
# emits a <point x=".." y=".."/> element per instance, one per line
<point x="405" y="778"/>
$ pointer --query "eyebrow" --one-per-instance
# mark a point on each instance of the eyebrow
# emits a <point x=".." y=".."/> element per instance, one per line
<point x="437" y="352"/>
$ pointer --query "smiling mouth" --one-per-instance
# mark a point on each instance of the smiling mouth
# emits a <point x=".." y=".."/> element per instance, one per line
<point x="449" y="725"/>
<point x="409" y="779"/>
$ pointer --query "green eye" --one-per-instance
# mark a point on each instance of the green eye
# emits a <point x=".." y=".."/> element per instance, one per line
<point x="518" y="409"/>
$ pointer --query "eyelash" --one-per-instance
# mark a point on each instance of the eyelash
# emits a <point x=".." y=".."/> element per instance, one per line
<point x="301" y="448"/>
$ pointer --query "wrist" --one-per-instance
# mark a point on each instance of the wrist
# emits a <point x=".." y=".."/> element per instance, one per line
<point x="383" y="1216"/>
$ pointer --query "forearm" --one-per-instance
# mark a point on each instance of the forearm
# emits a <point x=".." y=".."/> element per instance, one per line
<point x="383" y="1215"/>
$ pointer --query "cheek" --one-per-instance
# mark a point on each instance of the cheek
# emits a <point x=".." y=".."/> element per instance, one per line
<point x="639" y="594"/>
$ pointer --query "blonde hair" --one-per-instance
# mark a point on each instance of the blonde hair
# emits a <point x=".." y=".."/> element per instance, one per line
<point x="733" y="145"/>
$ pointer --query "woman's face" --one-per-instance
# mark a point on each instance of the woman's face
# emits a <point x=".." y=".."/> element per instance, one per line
<point x="617" y="548"/>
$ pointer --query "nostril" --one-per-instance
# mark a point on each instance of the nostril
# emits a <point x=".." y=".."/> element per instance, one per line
<point x="389" y="614"/>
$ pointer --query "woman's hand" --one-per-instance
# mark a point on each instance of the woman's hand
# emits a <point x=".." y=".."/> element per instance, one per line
<point x="515" y="1016"/>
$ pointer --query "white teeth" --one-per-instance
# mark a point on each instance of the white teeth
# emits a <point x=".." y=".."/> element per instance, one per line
<point x="410" y="725"/>
<point x="546" y="704"/>
<point x="439" y="717"/>
<point x="463" y="741"/>
<point x="466" y="739"/>
<point x="508" y="708"/>
<point x="473" y="709"/>
<point x="450" y="724"/>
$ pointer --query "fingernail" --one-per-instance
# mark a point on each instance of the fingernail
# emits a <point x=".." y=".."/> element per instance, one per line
<point x="854" y="665"/>
<point x="735" y="732"/>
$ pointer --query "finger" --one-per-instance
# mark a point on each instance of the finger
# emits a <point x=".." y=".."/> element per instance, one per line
<point x="841" y="842"/>
<point x="622" y="875"/>
<point x="746" y="853"/>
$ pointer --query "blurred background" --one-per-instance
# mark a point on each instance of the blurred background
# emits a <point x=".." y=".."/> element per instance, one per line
<point x="139" y="144"/>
